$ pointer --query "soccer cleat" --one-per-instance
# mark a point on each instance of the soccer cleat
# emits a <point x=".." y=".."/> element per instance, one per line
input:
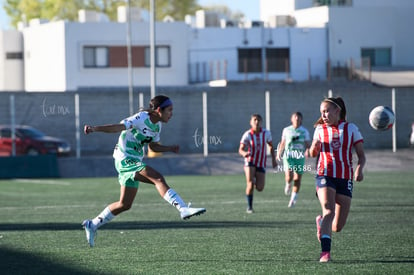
<point x="318" y="227"/>
<point x="292" y="203"/>
<point x="188" y="212"/>
<point x="287" y="189"/>
<point x="325" y="257"/>
<point x="90" y="232"/>
<point x="249" y="210"/>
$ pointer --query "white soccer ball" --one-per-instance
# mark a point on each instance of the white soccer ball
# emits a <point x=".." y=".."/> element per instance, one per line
<point x="381" y="118"/>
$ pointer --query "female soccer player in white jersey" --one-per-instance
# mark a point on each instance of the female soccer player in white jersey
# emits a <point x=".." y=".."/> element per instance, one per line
<point x="333" y="141"/>
<point x="253" y="149"/>
<point x="293" y="149"/>
<point x="137" y="131"/>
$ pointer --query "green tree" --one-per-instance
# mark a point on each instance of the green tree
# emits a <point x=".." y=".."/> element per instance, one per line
<point x="24" y="10"/>
<point x="224" y="10"/>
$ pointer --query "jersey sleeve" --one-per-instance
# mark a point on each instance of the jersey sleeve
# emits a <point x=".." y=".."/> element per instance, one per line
<point x="357" y="136"/>
<point x="284" y="133"/>
<point x="132" y="121"/>
<point x="316" y="134"/>
<point x="157" y="137"/>
<point x="245" y="138"/>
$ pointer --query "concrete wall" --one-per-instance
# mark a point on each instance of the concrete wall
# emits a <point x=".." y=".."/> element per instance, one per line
<point x="229" y="111"/>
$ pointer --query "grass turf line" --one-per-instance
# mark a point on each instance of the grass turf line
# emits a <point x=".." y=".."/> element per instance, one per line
<point x="40" y="228"/>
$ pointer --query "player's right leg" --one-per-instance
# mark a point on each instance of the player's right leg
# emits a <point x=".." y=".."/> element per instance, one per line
<point x="152" y="176"/>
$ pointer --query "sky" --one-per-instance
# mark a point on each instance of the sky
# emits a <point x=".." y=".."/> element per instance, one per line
<point x="4" y="22"/>
<point x="250" y="8"/>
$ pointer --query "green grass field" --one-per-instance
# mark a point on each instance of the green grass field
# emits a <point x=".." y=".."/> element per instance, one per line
<point x="40" y="231"/>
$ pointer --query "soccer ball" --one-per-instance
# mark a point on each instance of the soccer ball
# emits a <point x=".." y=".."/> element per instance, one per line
<point x="381" y="118"/>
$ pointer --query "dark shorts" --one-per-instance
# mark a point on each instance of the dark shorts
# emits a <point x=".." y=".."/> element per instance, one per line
<point x="258" y="169"/>
<point x="342" y="186"/>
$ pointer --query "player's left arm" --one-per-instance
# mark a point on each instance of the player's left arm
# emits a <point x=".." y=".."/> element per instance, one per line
<point x="359" y="149"/>
<point x="157" y="147"/>
<point x="272" y="151"/>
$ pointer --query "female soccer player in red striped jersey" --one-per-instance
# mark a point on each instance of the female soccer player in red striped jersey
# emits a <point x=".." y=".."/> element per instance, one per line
<point x="333" y="141"/>
<point x="253" y="149"/>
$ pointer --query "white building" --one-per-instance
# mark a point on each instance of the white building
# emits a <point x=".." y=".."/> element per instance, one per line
<point x="11" y="61"/>
<point x="68" y="56"/>
<point x="378" y="29"/>
<point x="294" y="41"/>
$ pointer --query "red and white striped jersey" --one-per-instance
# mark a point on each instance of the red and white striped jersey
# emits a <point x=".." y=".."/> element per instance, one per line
<point x="335" y="158"/>
<point x="256" y="146"/>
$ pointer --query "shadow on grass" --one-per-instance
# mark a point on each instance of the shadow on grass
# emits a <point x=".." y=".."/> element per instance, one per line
<point x="17" y="262"/>
<point x="151" y="225"/>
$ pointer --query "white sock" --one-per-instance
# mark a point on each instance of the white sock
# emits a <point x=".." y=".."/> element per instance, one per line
<point x="104" y="217"/>
<point x="294" y="196"/>
<point x="174" y="199"/>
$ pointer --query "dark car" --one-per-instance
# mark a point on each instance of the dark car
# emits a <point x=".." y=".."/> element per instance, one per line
<point x="31" y="141"/>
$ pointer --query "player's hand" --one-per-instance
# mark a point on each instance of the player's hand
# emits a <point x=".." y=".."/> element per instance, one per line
<point x="359" y="176"/>
<point x="175" y="148"/>
<point x="315" y="148"/>
<point x="87" y="129"/>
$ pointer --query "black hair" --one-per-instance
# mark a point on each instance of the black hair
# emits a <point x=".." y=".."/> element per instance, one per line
<point x="259" y="117"/>
<point x="156" y="102"/>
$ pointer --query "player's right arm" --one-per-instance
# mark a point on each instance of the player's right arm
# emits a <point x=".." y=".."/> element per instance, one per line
<point x="109" y="128"/>
<point x="242" y="150"/>
<point x="315" y="148"/>
<point x="280" y="148"/>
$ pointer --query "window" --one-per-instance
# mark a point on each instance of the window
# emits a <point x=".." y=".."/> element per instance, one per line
<point x="14" y="55"/>
<point x="94" y="57"/>
<point x="332" y="2"/>
<point x="277" y="59"/>
<point x="117" y="56"/>
<point x="377" y="56"/>
<point x="162" y="56"/>
<point x="250" y="60"/>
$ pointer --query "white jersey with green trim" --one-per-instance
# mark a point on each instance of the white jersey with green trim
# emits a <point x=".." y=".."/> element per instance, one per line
<point x="139" y="130"/>
<point x="295" y="139"/>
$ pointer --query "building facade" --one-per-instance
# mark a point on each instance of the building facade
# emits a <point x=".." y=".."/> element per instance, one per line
<point x="296" y="40"/>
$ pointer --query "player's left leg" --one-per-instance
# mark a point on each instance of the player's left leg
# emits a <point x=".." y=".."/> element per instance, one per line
<point x="260" y="180"/>
<point x="297" y="178"/>
<point x="342" y="207"/>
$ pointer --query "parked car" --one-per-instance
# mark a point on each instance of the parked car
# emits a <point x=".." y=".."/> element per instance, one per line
<point x="31" y="141"/>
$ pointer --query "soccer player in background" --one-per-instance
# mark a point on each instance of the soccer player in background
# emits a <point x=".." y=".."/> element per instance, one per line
<point x="333" y="141"/>
<point x="293" y="148"/>
<point x="253" y="145"/>
<point x="137" y="131"/>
